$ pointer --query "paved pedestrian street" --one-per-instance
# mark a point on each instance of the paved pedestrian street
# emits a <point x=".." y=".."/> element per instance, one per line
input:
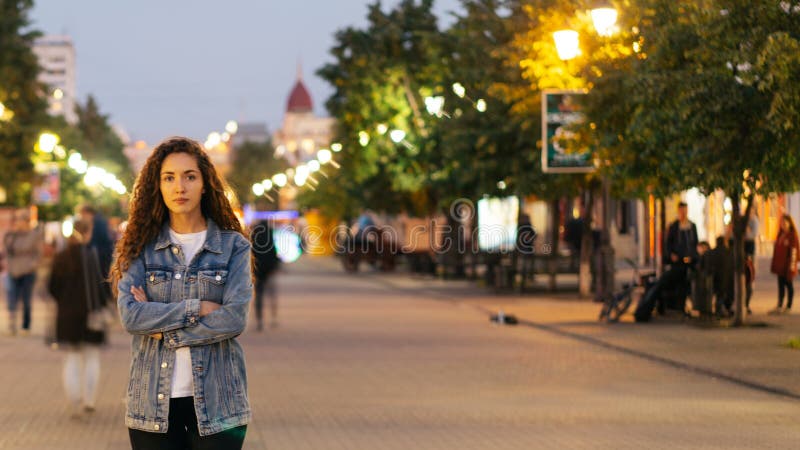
<point x="374" y="361"/>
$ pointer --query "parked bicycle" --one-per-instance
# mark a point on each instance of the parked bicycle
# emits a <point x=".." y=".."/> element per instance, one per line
<point x="616" y="304"/>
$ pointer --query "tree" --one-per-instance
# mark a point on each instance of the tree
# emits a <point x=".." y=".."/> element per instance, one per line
<point x="380" y="75"/>
<point x="253" y="161"/>
<point x="101" y="144"/>
<point x="711" y="97"/>
<point x="21" y="95"/>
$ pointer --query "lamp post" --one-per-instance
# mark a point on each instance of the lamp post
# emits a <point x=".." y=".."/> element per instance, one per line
<point x="604" y="19"/>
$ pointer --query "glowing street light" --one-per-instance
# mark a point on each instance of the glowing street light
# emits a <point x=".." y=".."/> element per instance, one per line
<point x="48" y="142"/>
<point x="567" y="44"/>
<point x="480" y="105"/>
<point x="336" y="147"/>
<point x="213" y="140"/>
<point x="280" y="179"/>
<point x="604" y="17"/>
<point x="459" y="90"/>
<point x="258" y="189"/>
<point x="302" y="170"/>
<point x="435" y="105"/>
<point x="363" y="138"/>
<point x="232" y="127"/>
<point x="313" y="166"/>
<point x="382" y="128"/>
<point x="267" y="183"/>
<point x="397" y="136"/>
<point x="58" y="94"/>
<point x="324" y="156"/>
<point x="300" y="180"/>
<point x="74" y="161"/>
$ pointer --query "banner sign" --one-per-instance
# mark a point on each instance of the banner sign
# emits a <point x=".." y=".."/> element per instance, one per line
<point x="47" y="185"/>
<point x="561" y="109"/>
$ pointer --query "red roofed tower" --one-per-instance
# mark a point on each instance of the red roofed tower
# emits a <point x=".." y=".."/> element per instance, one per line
<point x="299" y="99"/>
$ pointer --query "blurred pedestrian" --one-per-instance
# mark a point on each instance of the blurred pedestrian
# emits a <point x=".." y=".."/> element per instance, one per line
<point x="265" y="255"/>
<point x="751" y="234"/>
<point x="184" y="285"/>
<point x="784" y="263"/>
<point x="101" y="239"/>
<point x="721" y="259"/>
<point x="23" y="252"/>
<point x="681" y="253"/>
<point x="78" y="288"/>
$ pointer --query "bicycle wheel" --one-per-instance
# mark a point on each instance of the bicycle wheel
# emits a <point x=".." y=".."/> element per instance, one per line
<point x="622" y="302"/>
<point x="607" y="306"/>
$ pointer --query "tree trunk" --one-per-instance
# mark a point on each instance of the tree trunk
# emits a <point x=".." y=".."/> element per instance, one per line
<point x="739" y="228"/>
<point x="554" y="224"/>
<point x="585" y="266"/>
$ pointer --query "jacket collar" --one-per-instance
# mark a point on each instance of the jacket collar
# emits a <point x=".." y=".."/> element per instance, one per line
<point x="212" y="244"/>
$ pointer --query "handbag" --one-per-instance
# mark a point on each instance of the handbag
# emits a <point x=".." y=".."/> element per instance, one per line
<point x="99" y="317"/>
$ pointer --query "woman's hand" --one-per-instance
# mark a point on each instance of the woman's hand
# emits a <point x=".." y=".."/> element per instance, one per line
<point x="141" y="297"/>
<point x="207" y="307"/>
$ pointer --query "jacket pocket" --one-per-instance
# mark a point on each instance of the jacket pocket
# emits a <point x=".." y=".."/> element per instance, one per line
<point x="158" y="285"/>
<point x="211" y="284"/>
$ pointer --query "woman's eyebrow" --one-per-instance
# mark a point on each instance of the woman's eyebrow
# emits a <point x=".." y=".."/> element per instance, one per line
<point x="168" y="172"/>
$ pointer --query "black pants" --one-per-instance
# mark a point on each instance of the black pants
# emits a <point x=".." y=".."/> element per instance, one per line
<point x="787" y="285"/>
<point x="183" y="434"/>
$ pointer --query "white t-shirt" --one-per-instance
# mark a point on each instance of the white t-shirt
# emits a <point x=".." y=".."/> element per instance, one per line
<point x="182" y="385"/>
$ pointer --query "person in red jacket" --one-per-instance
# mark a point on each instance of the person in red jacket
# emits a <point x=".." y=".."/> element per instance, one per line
<point x="784" y="262"/>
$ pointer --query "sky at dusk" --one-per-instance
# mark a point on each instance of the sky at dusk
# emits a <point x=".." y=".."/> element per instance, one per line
<point x="186" y="67"/>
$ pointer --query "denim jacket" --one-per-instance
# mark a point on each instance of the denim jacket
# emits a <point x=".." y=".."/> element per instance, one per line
<point x="220" y="272"/>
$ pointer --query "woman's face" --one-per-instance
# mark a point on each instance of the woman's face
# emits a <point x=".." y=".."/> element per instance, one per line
<point x="785" y="225"/>
<point x="181" y="183"/>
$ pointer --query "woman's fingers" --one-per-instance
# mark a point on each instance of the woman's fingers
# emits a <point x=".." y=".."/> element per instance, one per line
<point x="138" y="294"/>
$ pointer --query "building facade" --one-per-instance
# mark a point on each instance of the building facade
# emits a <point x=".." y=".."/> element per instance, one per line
<point x="56" y="55"/>
<point x="302" y="133"/>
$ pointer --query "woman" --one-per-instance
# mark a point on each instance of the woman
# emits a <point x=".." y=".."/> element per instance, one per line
<point x="76" y="284"/>
<point x="784" y="262"/>
<point x="183" y="282"/>
<point x="23" y="251"/>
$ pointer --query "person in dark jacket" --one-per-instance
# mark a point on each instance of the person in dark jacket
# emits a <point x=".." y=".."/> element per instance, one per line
<point x="784" y="262"/>
<point x="101" y="239"/>
<point x="77" y="285"/>
<point x="722" y="270"/>
<point x="265" y="254"/>
<point x="680" y="252"/>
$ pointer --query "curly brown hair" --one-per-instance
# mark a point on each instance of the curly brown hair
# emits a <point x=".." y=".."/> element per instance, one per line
<point x="148" y="212"/>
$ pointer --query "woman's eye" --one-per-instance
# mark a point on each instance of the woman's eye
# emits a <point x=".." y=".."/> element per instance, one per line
<point x="192" y="177"/>
<point x="169" y="178"/>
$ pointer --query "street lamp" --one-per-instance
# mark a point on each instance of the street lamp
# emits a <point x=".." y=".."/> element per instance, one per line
<point x="397" y="136"/>
<point x="567" y="44"/>
<point x="604" y="17"/>
<point x="258" y="189"/>
<point x="279" y="179"/>
<point x="231" y="127"/>
<point x="48" y="142"/>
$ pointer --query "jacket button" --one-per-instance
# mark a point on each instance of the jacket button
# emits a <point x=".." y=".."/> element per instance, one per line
<point x="161" y="396"/>
<point x="218" y="278"/>
<point x="175" y="250"/>
<point x="156" y="427"/>
<point x="163" y="365"/>
<point x="177" y="276"/>
<point x="172" y="341"/>
<point x="152" y="278"/>
<point x="192" y="320"/>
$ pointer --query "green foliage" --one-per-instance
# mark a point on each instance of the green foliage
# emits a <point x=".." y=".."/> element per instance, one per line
<point x="712" y="94"/>
<point x="20" y="93"/>
<point x="252" y="161"/>
<point x="378" y="76"/>
<point x="101" y="145"/>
